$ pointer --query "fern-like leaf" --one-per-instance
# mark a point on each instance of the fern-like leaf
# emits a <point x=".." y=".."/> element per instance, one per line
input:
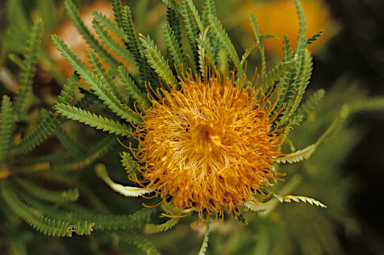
<point x="289" y="198"/>
<point x="29" y="67"/>
<point x="123" y="190"/>
<point x="50" y="122"/>
<point x="297" y="156"/>
<point x="157" y="62"/>
<point x="87" y="35"/>
<point x="49" y="195"/>
<point x="117" y="12"/>
<point x="260" y="42"/>
<point x="106" y="78"/>
<point x="144" y="214"/>
<point x="6" y="128"/>
<point x="139" y="241"/>
<point x="32" y="216"/>
<point x="156" y="228"/>
<point x="310" y="104"/>
<point x="174" y="47"/>
<point x="111" y="43"/>
<point x="132" y="89"/>
<point x="204" y="246"/>
<point x="225" y="42"/>
<point x="100" y="90"/>
<point x="315" y="37"/>
<point x="92" y="120"/>
<point x="131" y="167"/>
<point x="192" y="30"/>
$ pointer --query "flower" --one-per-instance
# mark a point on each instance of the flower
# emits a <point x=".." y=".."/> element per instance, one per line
<point x="209" y="145"/>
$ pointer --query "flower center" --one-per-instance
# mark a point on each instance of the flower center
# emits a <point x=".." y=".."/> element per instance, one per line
<point x="204" y="137"/>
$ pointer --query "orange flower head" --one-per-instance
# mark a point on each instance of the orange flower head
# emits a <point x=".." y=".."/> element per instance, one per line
<point x="209" y="145"/>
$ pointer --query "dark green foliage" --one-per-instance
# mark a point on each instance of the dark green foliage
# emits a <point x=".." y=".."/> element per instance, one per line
<point x="6" y="127"/>
<point x="29" y="67"/>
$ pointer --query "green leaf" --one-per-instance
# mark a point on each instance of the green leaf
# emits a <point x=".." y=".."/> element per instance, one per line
<point x="139" y="241"/>
<point x="49" y="195"/>
<point x="156" y="228"/>
<point x="144" y="214"/>
<point x="157" y="62"/>
<point x="315" y="37"/>
<point x="192" y="30"/>
<point x="6" y="128"/>
<point x="174" y="47"/>
<point x="204" y="246"/>
<point x="311" y="103"/>
<point x="87" y="35"/>
<point x="111" y="43"/>
<point x="29" y="67"/>
<point x="139" y="96"/>
<point x="226" y="43"/>
<point x="117" y="12"/>
<point x="260" y="42"/>
<point x="101" y="91"/>
<point x="32" y="216"/>
<point x="93" y="120"/>
<point x="131" y="167"/>
<point x="50" y="122"/>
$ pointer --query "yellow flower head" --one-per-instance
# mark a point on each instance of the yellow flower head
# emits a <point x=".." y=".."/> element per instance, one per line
<point x="209" y="145"/>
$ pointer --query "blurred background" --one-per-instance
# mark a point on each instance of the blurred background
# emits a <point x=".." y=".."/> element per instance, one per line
<point x="347" y="173"/>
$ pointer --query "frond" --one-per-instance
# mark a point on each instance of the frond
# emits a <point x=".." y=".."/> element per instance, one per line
<point x="147" y="75"/>
<point x="87" y="35"/>
<point x="93" y="153"/>
<point x="174" y="47"/>
<point x="287" y="49"/>
<point x="68" y="141"/>
<point x="117" y="12"/>
<point x="297" y="199"/>
<point x="192" y="28"/>
<point x="315" y="37"/>
<point x="6" y="128"/>
<point x="17" y="60"/>
<point x="32" y="216"/>
<point x="132" y="38"/>
<point x="113" y="27"/>
<point x="311" y="103"/>
<point x="131" y="167"/>
<point x="106" y="79"/>
<point x="257" y="207"/>
<point x="98" y="221"/>
<point x="297" y="156"/>
<point x="247" y="52"/>
<point x="50" y="122"/>
<point x="132" y="89"/>
<point x="96" y="85"/>
<point x="209" y="8"/>
<point x="29" y="67"/>
<point x="225" y="42"/>
<point x="144" y="214"/>
<point x="260" y="42"/>
<point x="93" y="120"/>
<point x="156" y="228"/>
<point x="173" y="18"/>
<point x="111" y="43"/>
<point x="139" y="241"/>
<point x="157" y="62"/>
<point x="301" y="82"/>
<point x="373" y="104"/>
<point x="277" y="74"/>
<point x="49" y="195"/>
<point x="123" y="190"/>
<point x="204" y="246"/>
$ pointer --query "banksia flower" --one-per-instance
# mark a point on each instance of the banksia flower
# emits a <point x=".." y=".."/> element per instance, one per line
<point x="209" y="145"/>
